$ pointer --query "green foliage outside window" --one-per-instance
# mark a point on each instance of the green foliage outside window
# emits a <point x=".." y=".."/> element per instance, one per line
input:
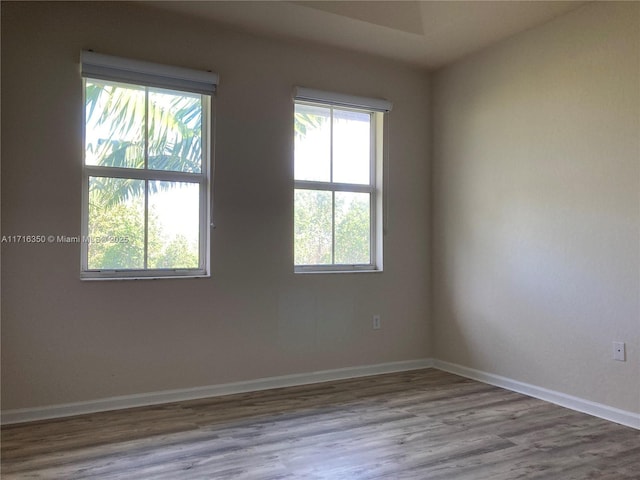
<point x="330" y="227"/>
<point x="125" y="125"/>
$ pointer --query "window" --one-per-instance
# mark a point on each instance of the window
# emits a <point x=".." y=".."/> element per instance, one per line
<point x="146" y="169"/>
<point x="337" y="182"/>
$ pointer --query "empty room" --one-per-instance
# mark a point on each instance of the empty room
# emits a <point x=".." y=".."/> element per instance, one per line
<point x="320" y="240"/>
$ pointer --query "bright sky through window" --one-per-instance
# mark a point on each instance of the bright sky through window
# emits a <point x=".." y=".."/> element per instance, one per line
<point x="351" y="143"/>
<point x="334" y="198"/>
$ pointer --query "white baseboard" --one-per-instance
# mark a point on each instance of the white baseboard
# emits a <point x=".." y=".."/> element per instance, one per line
<point x="606" y="412"/>
<point x="168" y="396"/>
<point x="623" y="417"/>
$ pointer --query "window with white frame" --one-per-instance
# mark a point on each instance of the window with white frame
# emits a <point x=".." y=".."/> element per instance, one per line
<point x="337" y="181"/>
<point x="146" y="169"/>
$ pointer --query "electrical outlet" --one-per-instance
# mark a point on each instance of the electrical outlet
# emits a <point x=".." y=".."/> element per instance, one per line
<point x="619" y="351"/>
<point x="376" y="322"/>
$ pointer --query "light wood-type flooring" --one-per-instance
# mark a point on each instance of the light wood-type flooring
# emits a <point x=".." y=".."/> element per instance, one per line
<point x="423" y="424"/>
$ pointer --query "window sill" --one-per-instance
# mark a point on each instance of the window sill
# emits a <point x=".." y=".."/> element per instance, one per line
<point x="307" y="271"/>
<point x="91" y="278"/>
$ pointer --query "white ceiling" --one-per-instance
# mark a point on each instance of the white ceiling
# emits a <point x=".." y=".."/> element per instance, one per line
<point x="428" y="34"/>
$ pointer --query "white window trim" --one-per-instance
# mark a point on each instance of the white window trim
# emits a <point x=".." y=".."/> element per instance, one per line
<point x="161" y="76"/>
<point x="377" y="108"/>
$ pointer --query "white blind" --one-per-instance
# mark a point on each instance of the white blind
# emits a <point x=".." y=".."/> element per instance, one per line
<point x="107" y="67"/>
<point x="341" y="99"/>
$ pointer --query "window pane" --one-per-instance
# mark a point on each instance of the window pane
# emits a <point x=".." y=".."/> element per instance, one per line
<point x="312" y="226"/>
<point x="312" y="143"/>
<point x="351" y="147"/>
<point x="175" y="126"/>
<point x="116" y="224"/>
<point x="114" y="125"/>
<point x="174" y="213"/>
<point x="353" y="230"/>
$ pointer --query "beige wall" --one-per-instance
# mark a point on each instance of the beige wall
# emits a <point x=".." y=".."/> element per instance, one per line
<point x="537" y="208"/>
<point x="64" y="340"/>
<point x="535" y="216"/>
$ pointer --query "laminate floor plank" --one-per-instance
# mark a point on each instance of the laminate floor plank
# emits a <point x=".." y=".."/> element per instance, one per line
<point x="423" y="424"/>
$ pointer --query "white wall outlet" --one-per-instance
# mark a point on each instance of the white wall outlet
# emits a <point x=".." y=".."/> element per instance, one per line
<point x="618" y="351"/>
<point x="376" y="322"/>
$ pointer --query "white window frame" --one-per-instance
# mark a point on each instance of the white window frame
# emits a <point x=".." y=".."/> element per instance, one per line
<point x="147" y="75"/>
<point x="376" y="108"/>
